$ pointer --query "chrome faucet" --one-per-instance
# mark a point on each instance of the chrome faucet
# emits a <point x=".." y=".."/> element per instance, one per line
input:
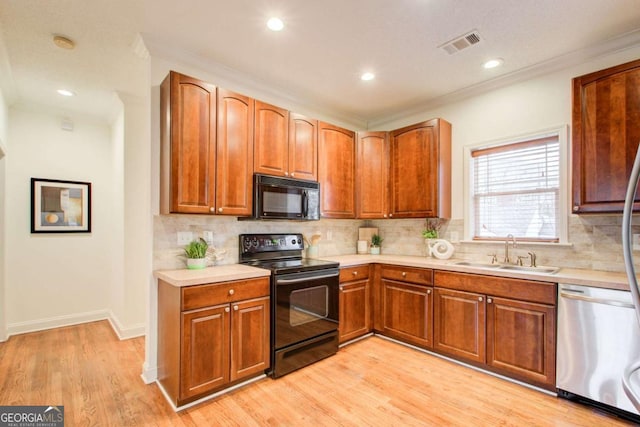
<point x="506" y="247"/>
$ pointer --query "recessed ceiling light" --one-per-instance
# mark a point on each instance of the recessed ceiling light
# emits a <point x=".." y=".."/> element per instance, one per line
<point x="65" y="92"/>
<point x="64" y="42"/>
<point x="493" y="63"/>
<point x="275" y="24"/>
<point x="367" y="76"/>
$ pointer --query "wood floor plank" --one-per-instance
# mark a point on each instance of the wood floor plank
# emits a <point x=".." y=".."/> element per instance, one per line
<point x="374" y="382"/>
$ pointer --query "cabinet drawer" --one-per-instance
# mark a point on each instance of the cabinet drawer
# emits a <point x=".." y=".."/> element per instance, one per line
<point x="219" y="293"/>
<point x="348" y="274"/>
<point x="421" y="276"/>
<point x="525" y="290"/>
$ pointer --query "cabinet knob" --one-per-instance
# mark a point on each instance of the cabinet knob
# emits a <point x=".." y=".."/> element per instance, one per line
<point x="342" y="288"/>
<point x="355" y="273"/>
<point x="212" y="209"/>
<point x="489" y="300"/>
<point x="390" y="215"/>
<point x="428" y="291"/>
<point x="226" y="309"/>
<point x="480" y="299"/>
<point x="385" y="215"/>
<point x="219" y="209"/>
<point x="235" y="308"/>
<point x="404" y="274"/>
<point x="293" y="174"/>
<point x="231" y="292"/>
<point x="287" y="174"/>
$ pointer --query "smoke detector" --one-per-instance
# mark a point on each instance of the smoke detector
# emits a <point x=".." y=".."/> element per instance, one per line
<point x="460" y="43"/>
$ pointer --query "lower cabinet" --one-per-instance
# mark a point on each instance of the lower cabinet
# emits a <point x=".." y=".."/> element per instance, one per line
<point x="505" y="325"/>
<point x="211" y="336"/>
<point x="355" y="313"/>
<point x="406" y="304"/>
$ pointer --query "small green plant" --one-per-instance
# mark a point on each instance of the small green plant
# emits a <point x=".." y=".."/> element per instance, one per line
<point x="196" y="249"/>
<point x="376" y="240"/>
<point x="432" y="228"/>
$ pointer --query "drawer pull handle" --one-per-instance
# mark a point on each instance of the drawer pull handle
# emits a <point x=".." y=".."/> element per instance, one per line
<point x="226" y="309"/>
<point x="480" y="299"/>
<point x="404" y="274"/>
<point x="212" y="209"/>
<point x="342" y="288"/>
<point x="235" y="308"/>
<point x="428" y="291"/>
<point x="489" y="300"/>
<point x="231" y="292"/>
<point x="355" y="273"/>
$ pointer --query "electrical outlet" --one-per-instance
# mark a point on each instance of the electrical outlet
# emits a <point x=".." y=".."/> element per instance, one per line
<point x="636" y="242"/>
<point x="184" y="237"/>
<point x="208" y="237"/>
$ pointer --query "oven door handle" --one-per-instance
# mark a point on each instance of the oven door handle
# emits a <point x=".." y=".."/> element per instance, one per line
<point x="305" y="279"/>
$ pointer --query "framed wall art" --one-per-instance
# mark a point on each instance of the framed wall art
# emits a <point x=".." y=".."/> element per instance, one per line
<point x="60" y="206"/>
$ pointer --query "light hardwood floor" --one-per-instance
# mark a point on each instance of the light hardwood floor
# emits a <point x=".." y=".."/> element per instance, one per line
<point x="373" y="382"/>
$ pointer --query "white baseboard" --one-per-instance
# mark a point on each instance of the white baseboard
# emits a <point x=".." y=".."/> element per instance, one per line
<point x="149" y="375"/>
<point x="76" y="319"/>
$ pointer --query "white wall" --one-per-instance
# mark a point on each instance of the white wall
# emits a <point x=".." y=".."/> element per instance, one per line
<point x="57" y="279"/>
<point x="3" y="206"/>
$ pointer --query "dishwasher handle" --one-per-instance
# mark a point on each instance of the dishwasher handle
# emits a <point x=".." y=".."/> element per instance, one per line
<point x="613" y="302"/>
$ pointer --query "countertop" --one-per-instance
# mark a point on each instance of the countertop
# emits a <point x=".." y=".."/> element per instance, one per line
<point x="224" y="273"/>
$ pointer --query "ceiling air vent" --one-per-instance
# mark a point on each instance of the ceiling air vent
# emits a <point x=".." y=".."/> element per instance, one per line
<point x="463" y="42"/>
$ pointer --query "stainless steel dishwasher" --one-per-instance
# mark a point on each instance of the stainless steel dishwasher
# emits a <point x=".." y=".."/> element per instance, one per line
<point x="598" y="337"/>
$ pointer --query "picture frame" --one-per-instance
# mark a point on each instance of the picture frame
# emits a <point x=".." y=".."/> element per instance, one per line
<point x="60" y="206"/>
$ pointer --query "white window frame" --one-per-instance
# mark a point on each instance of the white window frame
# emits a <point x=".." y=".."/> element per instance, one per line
<point x="563" y="205"/>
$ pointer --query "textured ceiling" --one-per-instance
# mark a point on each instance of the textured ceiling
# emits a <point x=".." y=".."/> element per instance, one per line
<point x="318" y="57"/>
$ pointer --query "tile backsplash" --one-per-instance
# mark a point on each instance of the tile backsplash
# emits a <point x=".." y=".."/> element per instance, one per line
<point x="595" y="241"/>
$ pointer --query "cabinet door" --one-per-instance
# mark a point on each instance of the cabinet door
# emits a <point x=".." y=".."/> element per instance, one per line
<point x="234" y="173"/>
<point x="205" y="350"/>
<point x="355" y="319"/>
<point x="521" y="340"/>
<point x="271" y="140"/>
<point x="188" y="144"/>
<point x="421" y="170"/>
<point x="303" y="147"/>
<point x="250" y="337"/>
<point x="459" y="324"/>
<point x="606" y="132"/>
<point x="407" y="312"/>
<point x="336" y="171"/>
<point x="372" y="180"/>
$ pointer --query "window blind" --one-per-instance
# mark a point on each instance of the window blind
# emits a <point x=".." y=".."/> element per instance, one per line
<point x="516" y="189"/>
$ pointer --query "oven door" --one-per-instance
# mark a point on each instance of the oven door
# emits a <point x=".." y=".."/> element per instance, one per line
<point x="306" y="306"/>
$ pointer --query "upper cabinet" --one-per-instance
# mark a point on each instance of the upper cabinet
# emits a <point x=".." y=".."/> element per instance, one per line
<point x="188" y="145"/>
<point x="336" y="171"/>
<point x="285" y="143"/>
<point x="303" y="147"/>
<point x="606" y="134"/>
<point x="421" y="170"/>
<point x="206" y="151"/>
<point x="372" y="175"/>
<point x="234" y="166"/>
<point x="271" y="143"/>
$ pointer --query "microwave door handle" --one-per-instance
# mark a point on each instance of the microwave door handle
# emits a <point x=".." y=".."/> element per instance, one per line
<point x="305" y="204"/>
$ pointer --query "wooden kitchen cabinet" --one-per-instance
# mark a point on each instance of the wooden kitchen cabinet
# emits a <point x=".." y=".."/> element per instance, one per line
<point x="421" y="170"/>
<point x="355" y="314"/>
<point x="372" y="175"/>
<point x="459" y="324"/>
<point x="234" y="154"/>
<point x="406" y="304"/>
<point x="188" y="145"/>
<point x="303" y="147"/>
<point x="606" y="133"/>
<point x="211" y="336"/>
<point x="336" y="171"/>
<point x="271" y="142"/>
<point x="501" y="324"/>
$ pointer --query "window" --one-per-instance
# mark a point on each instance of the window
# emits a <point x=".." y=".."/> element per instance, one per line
<point x="516" y="189"/>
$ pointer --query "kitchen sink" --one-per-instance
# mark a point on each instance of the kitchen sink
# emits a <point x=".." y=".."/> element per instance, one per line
<point x="509" y="267"/>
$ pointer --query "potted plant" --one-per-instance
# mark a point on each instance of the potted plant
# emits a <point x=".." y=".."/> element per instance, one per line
<point x="376" y="241"/>
<point x="196" y="253"/>
<point x="432" y="228"/>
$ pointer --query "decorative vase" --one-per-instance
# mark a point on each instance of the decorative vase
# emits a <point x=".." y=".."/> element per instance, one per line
<point x="375" y="250"/>
<point x="196" y="263"/>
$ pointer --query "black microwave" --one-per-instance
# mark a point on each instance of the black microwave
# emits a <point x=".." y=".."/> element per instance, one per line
<point x="285" y="198"/>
